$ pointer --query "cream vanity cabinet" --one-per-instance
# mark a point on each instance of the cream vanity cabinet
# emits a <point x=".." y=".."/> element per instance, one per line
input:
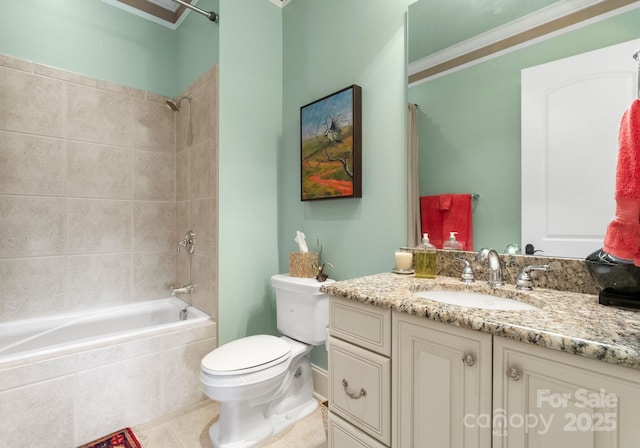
<point x="442" y="375"/>
<point x="359" y="375"/>
<point x="547" y="398"/>
<point x="454" y="387"/>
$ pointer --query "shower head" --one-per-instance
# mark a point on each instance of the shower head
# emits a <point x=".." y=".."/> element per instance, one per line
<point x="174" y="105"/>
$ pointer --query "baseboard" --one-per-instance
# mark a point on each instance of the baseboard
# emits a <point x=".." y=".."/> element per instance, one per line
<point x="320" y="383"/>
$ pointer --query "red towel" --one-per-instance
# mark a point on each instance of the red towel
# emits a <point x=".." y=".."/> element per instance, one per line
<point x="457" y="217"/>
<point x="622" y="239"/>
<point x="446" y="213"/>
<point x="431" y="219"/>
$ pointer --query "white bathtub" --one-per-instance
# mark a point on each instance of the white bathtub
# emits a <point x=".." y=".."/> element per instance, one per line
<point x="41" y="336"/>
<point x="68" y="379"/>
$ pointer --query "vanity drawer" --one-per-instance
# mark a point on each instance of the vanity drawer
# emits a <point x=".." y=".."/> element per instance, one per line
<point x="360" y="388"/>
<point x="343" y="435"/>
<point x="364" y="325"/>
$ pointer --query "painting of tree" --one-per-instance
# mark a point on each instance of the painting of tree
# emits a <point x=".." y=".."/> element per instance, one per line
<point x="330" y="146"/>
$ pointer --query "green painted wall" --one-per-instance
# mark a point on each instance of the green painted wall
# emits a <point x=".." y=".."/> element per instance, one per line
<point x="196" y="45"/>
<point x="329" y="45"/>
<point x="470" y="126"/>
<point x="91" y="38"/>
<point x="250" y="139"/>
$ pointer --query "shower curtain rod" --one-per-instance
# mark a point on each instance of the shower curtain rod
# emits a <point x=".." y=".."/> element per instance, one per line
<point x="212" y="16"/>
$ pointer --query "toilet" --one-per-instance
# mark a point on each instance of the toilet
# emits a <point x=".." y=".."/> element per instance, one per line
<point x="264" y="383"/>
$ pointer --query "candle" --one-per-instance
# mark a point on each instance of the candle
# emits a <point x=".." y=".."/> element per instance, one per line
<point x="404" y="260"/>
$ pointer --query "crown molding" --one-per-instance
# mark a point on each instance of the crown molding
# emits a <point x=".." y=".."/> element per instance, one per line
<point x="514" y="35"/>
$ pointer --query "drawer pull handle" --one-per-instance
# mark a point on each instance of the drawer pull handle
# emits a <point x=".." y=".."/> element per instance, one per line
<point x="468" y="359"/>
<point x="513" y="374"/>
<point x="362" y="393"/>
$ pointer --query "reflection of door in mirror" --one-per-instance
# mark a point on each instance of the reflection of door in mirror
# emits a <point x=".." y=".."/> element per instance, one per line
<point x="571" y="110"/>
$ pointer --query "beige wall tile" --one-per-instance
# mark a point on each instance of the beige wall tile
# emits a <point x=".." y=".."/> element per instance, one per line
<point x="202" y="217"/>
<point x="184" y="128"/>
<point x="116" y="396"/>
<point x="31" y="165"/>
<point x="63" y="75"/>
<point x="154" y="177"/>
<point x="203" y="277"/>
<point x="153" y="225"/>
<point x="153" y="127"/>
<point x="97" y="116"/>
<point x="31" y="287"/>
<point x="95" y="281"/>
<point x="201" y="114"/>
<point x="182" y="375"/>
<point x="98" y="225"/>
<point x="182" y="175"/>
<point x="18" y="64"/>
<point x="24" y="374"/>
<point x="201" y="171"/>
<point x="153" y="274"/>
<point x="39" y="415"/>
<point x="30" y="103"/>
<point x="98" y="171"/>
<point x="31" y="226"/>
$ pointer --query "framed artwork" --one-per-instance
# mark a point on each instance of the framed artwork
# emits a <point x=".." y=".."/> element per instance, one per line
<point x="331" y="146"/>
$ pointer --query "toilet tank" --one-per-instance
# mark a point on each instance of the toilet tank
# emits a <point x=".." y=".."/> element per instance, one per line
<point x="302" y="310"/>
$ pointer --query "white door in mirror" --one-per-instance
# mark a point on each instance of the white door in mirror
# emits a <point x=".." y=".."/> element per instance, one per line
<point x="571" y="111"/>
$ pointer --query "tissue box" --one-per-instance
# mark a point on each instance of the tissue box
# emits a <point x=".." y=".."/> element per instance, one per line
<point x="303" y="264"/>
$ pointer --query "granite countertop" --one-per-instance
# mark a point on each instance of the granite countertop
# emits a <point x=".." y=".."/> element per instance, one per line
<point x="566" y="321"/>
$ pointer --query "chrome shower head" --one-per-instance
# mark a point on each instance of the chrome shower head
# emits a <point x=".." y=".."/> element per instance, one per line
<point x="174" y="105"/>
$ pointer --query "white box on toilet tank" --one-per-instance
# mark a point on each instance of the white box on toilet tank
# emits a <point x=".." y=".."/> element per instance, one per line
<point x="302" y="310"/>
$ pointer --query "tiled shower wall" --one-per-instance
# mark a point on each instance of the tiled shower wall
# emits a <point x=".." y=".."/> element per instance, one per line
<point x="88" y="193"/>
<point x="196" y="190"/>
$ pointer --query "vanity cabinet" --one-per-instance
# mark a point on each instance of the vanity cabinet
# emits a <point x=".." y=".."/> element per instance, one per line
<point x="359" y="375"/>
<point x="442" y="374"/>
<point x="547" y="398"/>
<point x="402" y="381"/>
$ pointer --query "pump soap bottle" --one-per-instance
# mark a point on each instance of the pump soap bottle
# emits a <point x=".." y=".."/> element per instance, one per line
<point x="452" y="243"/>
<point x="424" y="258"/>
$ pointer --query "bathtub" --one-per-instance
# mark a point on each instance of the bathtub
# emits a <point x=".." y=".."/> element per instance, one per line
<point x="68" y="379"/>
<point x="42" y="336"/>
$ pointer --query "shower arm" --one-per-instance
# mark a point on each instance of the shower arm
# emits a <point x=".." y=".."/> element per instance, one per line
<point x="212" y="16"/>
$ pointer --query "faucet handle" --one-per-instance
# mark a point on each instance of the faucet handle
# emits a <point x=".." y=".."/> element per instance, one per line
<point x="467" y="272"/>
<point x="524" y="281"/>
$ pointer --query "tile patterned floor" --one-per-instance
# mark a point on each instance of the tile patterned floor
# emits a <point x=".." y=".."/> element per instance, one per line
<point x="190" y="429"/>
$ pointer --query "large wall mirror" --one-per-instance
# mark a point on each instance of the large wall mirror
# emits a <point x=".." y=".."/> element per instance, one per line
<point x="465" y="63"/>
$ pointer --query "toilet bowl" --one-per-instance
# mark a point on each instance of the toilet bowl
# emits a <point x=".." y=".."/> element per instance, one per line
<point x="264" y="383"/>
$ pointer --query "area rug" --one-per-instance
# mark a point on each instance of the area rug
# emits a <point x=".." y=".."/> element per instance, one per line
<point x="119" y="439"/>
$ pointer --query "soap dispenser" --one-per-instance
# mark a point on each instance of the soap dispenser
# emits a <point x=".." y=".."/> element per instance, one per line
<point x="452" y="243"/>
<point x="424" y="258"/>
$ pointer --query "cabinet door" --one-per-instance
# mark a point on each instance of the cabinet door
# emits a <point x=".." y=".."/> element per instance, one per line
<point x="441" y="385"/>
<point x="545" y="398"/>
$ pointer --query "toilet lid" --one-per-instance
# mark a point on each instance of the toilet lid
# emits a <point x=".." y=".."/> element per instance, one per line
<point x="247" y="354"/>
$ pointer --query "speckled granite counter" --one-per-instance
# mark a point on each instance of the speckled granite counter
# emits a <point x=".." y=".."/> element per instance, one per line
<point x="565" y="321"/>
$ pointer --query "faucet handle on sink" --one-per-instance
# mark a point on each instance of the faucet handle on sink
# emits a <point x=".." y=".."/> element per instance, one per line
<point x="524" y="281"/>
<point x="467" y="272"/>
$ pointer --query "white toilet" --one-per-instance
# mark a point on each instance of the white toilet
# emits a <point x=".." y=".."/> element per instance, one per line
<point x="264" y="383"/>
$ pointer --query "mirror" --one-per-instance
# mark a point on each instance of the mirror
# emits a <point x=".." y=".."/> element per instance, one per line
<point x="469" y="112"/>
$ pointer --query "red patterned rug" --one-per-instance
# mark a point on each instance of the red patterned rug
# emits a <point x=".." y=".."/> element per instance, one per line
<point x="119" y="439"/>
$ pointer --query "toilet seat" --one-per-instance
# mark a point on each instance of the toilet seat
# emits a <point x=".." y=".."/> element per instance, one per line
<point x="246" y="355"/>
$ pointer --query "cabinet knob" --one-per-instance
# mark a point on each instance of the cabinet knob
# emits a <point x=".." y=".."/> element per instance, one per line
<point x="355" y="396"/>
<point x="467" y="358"/>
<point x="513" y="374"/>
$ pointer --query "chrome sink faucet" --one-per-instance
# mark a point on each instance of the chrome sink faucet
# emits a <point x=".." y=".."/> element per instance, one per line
<point x="495" y="268"/>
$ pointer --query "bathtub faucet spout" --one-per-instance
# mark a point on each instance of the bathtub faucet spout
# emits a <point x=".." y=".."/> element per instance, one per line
<point x="187" y="289"/>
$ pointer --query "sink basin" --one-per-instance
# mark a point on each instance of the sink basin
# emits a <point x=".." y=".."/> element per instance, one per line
<point x="476" y="300"/>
